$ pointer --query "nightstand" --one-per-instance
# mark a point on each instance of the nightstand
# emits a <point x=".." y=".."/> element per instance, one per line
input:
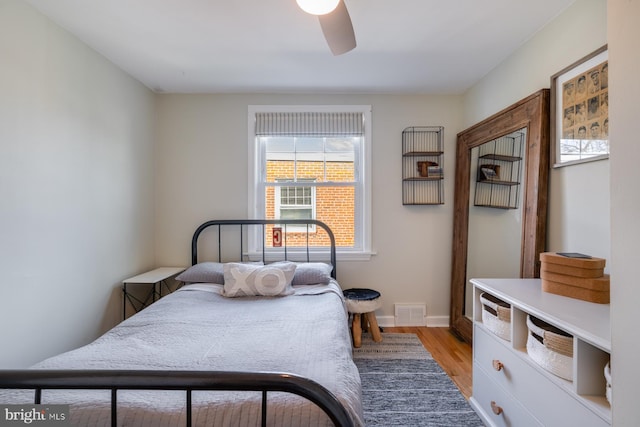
<point x="156" y="278"/>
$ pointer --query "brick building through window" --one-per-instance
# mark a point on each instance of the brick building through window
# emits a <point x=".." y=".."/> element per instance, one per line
<point x="312" y="165"/>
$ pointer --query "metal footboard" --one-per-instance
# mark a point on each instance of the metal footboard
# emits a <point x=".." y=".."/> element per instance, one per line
<point x="114" y="380"/>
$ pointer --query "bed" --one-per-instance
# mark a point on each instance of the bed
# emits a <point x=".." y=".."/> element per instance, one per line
<point x="248" y="351"/>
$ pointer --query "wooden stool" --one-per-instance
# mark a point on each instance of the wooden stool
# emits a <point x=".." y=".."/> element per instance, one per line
<point x="363" y="303"/>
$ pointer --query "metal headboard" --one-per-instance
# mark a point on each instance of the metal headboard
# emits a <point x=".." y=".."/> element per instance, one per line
<point x="243" y="225"/>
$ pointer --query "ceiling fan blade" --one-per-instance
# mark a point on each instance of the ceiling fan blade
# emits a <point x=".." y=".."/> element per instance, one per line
<point x="338" y="29"/>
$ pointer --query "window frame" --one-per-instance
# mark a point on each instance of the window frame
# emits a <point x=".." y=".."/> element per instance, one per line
<point x="256" y="190"/>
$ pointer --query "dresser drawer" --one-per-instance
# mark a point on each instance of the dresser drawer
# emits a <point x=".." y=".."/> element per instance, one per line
<point x="489" y="397"/>
<point x="551" y="400"/>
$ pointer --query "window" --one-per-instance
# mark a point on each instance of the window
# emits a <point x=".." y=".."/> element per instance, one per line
<point x="313" y="163"/>
<point x="295" y="203"/>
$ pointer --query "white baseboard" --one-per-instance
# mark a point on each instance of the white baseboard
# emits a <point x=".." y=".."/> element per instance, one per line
<point x="383" y="321"/>
<point x="432" y="321"/>
<point x="437" y="321"/>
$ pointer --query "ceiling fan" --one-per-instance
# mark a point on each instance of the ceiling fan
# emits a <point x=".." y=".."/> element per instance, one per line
<point x="335" y="22"/>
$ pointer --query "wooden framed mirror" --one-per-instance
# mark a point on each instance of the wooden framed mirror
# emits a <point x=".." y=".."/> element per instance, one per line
<point x="530" y="116"/>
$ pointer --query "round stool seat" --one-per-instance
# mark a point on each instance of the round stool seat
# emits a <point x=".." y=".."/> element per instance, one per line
<point x="361" y="300"/>
<point x="362" y="304"/>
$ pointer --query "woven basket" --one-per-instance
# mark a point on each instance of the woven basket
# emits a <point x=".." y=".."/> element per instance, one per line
<point x="550" y="347"/>
<point x="496" y="316"/>
<point x="607" y="376"/>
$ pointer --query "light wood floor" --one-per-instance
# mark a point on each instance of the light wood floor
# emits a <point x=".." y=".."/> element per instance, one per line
<point x="452" y="354"/>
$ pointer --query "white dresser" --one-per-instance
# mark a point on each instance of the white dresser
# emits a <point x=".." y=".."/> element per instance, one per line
<point x="510" y="389"/>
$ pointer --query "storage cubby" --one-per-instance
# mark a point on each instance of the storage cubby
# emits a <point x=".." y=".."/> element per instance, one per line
<point x="499" y="172"/>
<point x="422" y="165"/>
<point x="526" y="386"/>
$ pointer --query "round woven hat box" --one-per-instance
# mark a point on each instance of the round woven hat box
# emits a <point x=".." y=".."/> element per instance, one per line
<point x="550" y="347"/>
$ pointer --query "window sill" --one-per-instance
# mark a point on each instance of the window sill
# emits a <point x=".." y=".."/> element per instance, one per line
<point x="354" y="256"/>
<point x="314" y="255"/>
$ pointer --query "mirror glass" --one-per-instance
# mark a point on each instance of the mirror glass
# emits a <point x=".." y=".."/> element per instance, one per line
<point x="500" y="201"/>
<point x="495" y="210"/>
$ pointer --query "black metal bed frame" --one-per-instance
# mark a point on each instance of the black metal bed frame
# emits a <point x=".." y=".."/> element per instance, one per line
<point x="263" y="222"/>
<point x="189" y="381"/>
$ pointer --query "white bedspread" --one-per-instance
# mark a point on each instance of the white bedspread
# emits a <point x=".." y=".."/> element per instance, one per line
<point x="196" y="328"/>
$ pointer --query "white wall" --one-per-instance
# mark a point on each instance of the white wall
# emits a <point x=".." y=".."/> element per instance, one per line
<point x="624" y="87"/>
<point x="76" y="187"/>
<point x="202" y="174"/>
<point x="579" y="194"/>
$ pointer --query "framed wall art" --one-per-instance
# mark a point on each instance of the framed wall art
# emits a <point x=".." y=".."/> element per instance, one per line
<point x="580" y="111"/>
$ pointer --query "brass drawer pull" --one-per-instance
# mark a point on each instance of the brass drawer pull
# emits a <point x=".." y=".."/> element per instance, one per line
<point x="495" y="408"/>
<point x="497" y="365"/>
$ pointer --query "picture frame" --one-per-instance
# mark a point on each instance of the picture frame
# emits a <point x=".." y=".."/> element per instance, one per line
<point x="580" y="111"/>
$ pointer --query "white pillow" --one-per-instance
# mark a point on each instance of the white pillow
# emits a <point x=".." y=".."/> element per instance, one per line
<point x="251" y="280"/>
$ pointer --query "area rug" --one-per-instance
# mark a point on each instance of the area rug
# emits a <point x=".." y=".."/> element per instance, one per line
<point x="403" y="386"/>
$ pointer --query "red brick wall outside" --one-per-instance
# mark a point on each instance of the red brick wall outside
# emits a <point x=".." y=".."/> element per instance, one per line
<point x="334" y="205"/>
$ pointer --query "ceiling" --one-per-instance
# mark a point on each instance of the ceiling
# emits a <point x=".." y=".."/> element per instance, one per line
<point x="267" y="46"/>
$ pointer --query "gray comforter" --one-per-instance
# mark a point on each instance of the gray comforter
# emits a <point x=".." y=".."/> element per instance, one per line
<point x="196" y="328"/>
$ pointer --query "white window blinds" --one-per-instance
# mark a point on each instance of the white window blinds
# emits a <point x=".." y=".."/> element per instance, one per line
<point x="309" y="124"/>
